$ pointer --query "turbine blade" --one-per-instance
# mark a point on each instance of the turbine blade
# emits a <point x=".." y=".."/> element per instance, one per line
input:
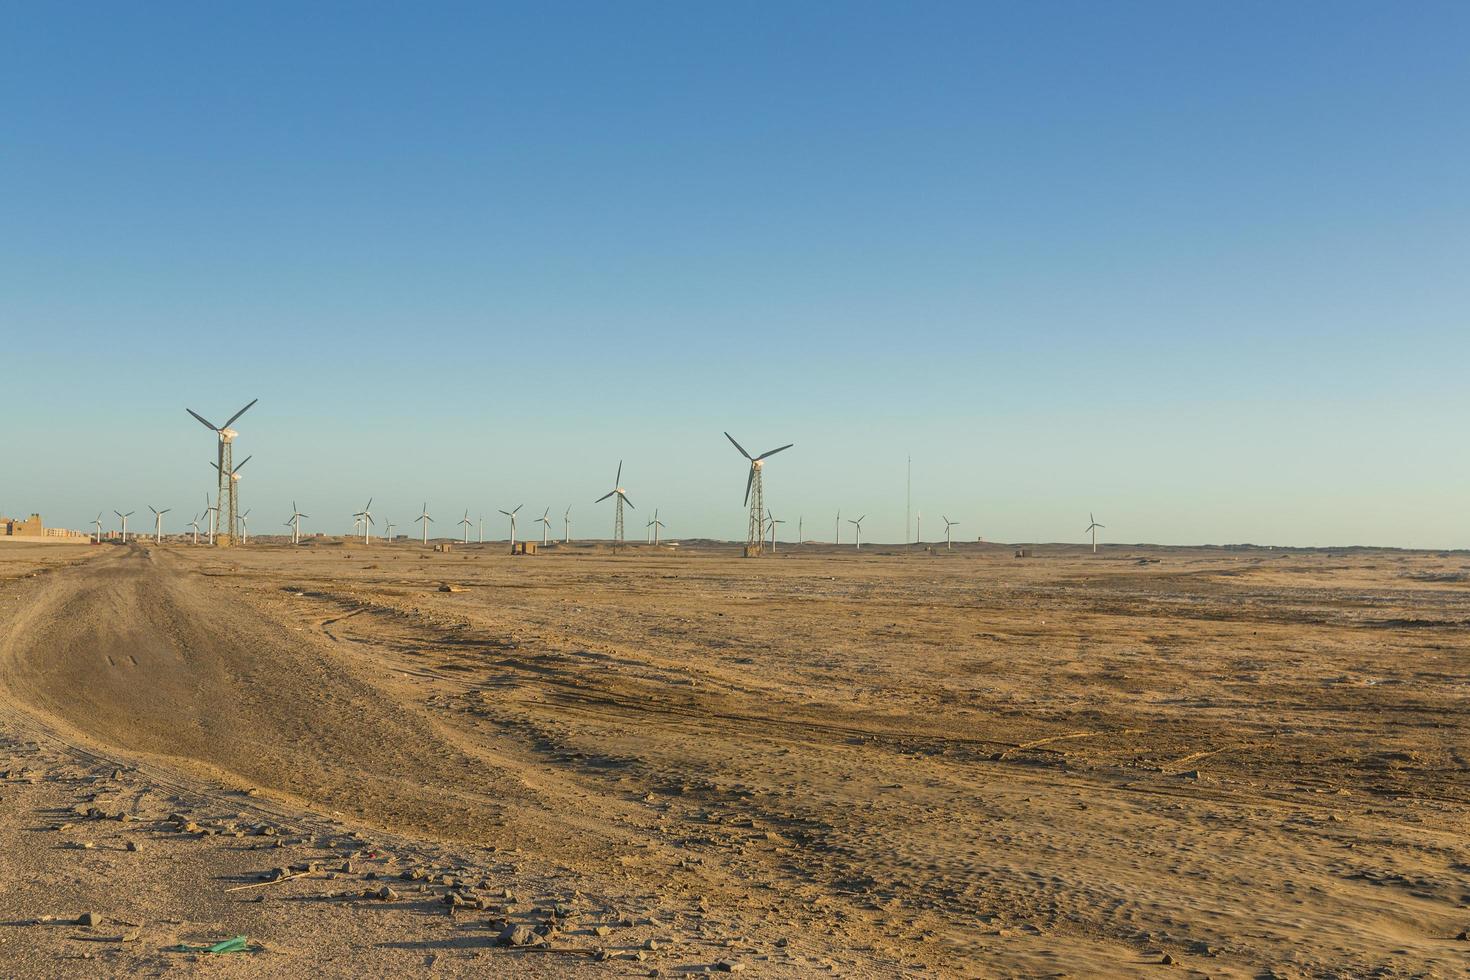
<point x="626" y="500"/>
<point x="775" y="451"/>
<point x="243" y="462"/>
<point x="201" y="418"/>
<point x="604" y="496"/>
<point x="240" y="413"/>
<point x="749" y="482"/>
<point x="738" y="446"/>
<point x="619" y="478"/>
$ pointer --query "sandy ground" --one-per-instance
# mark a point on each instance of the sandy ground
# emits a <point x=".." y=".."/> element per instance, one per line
<point x="1146" y="762"/>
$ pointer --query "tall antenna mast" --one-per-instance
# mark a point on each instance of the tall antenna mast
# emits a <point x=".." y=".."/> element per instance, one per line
<point x="908" y="499"/>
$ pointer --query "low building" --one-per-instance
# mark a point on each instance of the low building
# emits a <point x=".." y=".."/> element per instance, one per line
<point x="32" y="527"/>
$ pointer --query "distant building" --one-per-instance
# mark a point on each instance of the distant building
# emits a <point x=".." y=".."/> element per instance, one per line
<point x="31" y="527"/>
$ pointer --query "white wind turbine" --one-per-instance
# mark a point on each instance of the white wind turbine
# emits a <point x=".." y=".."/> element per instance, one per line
<point x="195" y="525"/>
<point x="1093" y="527"/>
<point x="295" y="523"/>
<point x="918" y="523"/>
<point x="158" y="523"/>
<point x="837" y="528"/>
<point x="567" y="517"/>
<point x="245" y="527"/>
<point x="857" y="530"/>
<point x="482" y="528"/>
<point x="124" y="518"/>
<point x="97" y="539"/>
<point x="545" y="522"/>
<point x="388" y="533"/>
<point x="655" y="525"/>
<point x="366" y="517"/>
<point x="947" y="525"/>
<point x="424" y="521"/>
<point x="212" y="512"/>
<point x="512" y="515"/>
<point x="771" y="520"/>
<point x="465" y="520"/>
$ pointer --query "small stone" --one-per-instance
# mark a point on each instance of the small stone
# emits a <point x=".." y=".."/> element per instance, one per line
<point x="602" y="931"/>
<point x="514" y="935"/>
<point x="729" y="966"/>
<point x="135" y="846"/>
<point x="1464" y="935"/>
<point x="1167" y="960"/>
<point x="89" y="919"/>
<point x="652" y="944"/>
<point x="386" y="894"/>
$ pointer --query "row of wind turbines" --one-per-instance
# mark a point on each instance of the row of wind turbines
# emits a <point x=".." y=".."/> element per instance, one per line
<point x="762" y="526"/>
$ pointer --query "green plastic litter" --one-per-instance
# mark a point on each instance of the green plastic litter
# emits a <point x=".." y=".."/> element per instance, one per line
<point x="238" y="944"/>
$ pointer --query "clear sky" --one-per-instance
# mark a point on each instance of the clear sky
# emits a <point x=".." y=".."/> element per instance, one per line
<point x="1198" y="268"/>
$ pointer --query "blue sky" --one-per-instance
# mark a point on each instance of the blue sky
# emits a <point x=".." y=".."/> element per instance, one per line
<point x="1200" y="269"/>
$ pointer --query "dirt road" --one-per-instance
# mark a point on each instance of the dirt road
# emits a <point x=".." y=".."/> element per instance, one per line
<point x="959" y="763"/>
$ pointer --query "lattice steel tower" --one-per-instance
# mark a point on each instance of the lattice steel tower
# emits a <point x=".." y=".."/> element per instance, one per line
<point x="228" y="501"/>
<point x="755" y="496"/>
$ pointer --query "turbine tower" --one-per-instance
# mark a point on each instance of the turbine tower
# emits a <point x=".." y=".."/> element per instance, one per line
<point x="388" y="533"/>
<point x="512" y="515"/>
<point x="617" y="491"/>
<point x="465" y="520"/>
<point x="228" y="504"/>
<point x="754" y="531"/>
<point x="124" y="519"/>
<point x="366" y="517"/>
<point x="224" y="534"/>
<point x="857" y="531"/>
<point x="947" y="525"/>
<point x="158" y="523"/>
<point x="771" y="520"/>
<point x="425" y="520"/>
<point x="918" y="523"/>
<point x="837" y="528"/>
<point x="97" y="539"/>
<point x="1093" y="527"/>
<point x="195" y="525"/>
<point x="545" y="527"/>
<point x="245" y="527"/>
<point x="656" y="525"/>
<point x="567" y="517"/>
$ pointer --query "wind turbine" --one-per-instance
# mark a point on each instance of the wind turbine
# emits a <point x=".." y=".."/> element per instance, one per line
<point x="947" y="525"/>
<point x="425" y="520"/>
<point x="158" y="523"/>
<point x="546" y="527"/>
<point x="512" y="515"/>
<point x="465" y="520"/>
<point x="837" y="528"/>
<point x="655" y="525"/>
<point x="771" y="519"/>
<point x="799" y="519"/>
<point x="195" y="525"/>
<point x="124" y="519"/>
<point x="617" y="491"/>
<point x="366" y="517"/>
<point x="229" y="491"/>
<point x="227" y="536"/>
<point x="918" y="523"/>
<point x="567" y="517"/>
<point x="356" y="525"/>
<point x="754" y="536"/>
<point x="1093" y="527"/>
<point x="212" y="512"/>
<point x="857" y="530"/>
<point x="245" y="527"/>
<point x="482" y="529"/>
<point x="98" y="538"/>
<point x="388" y="533"/>
<point x="295" y="523"/>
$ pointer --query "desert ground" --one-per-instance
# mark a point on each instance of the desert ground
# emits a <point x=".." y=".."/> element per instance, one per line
<point x="388" y="761"/>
